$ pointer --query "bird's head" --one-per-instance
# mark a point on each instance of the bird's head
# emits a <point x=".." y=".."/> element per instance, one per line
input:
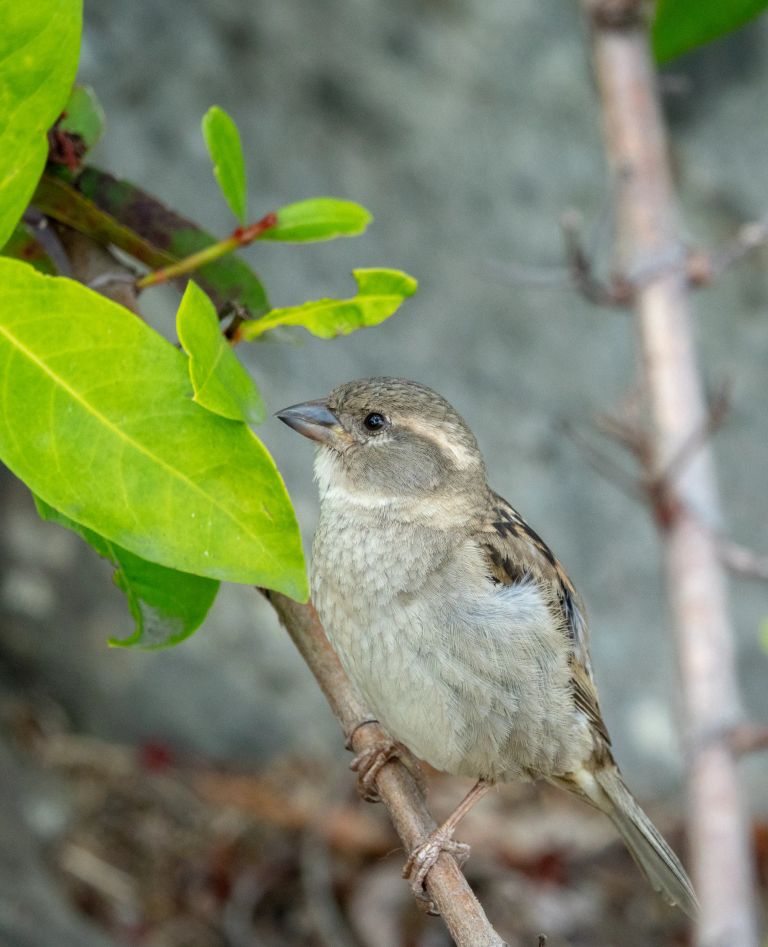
<point x="387" y="438"/>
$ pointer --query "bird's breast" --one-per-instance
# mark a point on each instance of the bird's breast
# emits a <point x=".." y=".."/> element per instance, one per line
<point x="472" y="678"/>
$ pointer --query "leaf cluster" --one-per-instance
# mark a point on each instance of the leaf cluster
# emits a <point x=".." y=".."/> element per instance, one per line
<point x="146" y="449"/>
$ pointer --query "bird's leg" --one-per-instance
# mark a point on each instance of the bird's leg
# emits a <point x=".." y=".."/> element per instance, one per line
<point x="425" y="855"/>
<point x="368" y="763"/>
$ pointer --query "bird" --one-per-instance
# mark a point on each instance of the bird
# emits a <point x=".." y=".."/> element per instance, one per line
<point x="453" y="618"/>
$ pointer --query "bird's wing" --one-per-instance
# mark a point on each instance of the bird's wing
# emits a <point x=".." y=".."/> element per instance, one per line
<point x="514" y="552"/>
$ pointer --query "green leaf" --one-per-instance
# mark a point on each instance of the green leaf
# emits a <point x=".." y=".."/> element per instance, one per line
<point x="167" y="605"/>
<point x="223" y="141"/>
<point x="23" y="245"/>
<point x="379" y="295"/>
<point x="83" y="116"/>
<point x="96" y="417"/>
<point x="39" y="46"/>
<point x="321" y="218"/>
<point x="220" y="382"/>
<point x="682" y="25"/>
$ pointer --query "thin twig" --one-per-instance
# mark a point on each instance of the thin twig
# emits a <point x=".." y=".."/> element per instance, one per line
<point x="240" y="237"/>
<point x="699" y="267"/>
<point x="600" y="461"/>
<point x="748" y="738"/>
<point x="618" y="292"/>
<point x="743" y="561"/>
<point x="704" y="268"/>
<point x="657" y="490"/>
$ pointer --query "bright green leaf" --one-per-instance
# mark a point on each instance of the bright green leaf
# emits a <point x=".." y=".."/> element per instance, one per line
<point x="167" y="605"/>
<point x="220" y="382"/>
<point x="39" y="47"/>
<point x="321" y="218"/>
<point x="223" y="141"/>
<point x="379" y="295"/>
<point x="83" y="115"/>
<point x="22" y="245"/>
<point x="682" y="25"/>
<point x="96" y="417"/>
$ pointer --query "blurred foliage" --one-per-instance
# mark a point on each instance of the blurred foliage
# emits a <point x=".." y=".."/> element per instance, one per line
<point x="681" y="25"/>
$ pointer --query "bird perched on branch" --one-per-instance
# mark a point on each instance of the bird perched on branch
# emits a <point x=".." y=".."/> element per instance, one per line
<point x="458" y="625"/>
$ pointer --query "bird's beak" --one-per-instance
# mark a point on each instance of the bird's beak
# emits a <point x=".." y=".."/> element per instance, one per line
<point x="313" y="419"/>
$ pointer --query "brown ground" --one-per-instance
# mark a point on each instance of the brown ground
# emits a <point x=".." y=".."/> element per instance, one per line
<point x="161" y="852"/>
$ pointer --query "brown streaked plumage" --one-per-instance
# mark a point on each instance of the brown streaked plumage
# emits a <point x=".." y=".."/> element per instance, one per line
<point x="453" y="617"/>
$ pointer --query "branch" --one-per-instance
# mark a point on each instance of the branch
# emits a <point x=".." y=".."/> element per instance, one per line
<point x="699" y="267"/>
<point x="399" y="791"/>
<point x="649" y="230"/>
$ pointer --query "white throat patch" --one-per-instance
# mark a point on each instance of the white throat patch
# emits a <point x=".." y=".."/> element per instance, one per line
<point x="330" y="478"/>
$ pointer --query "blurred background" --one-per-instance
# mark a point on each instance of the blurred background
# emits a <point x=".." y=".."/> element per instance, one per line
<point x="199" y="797"/>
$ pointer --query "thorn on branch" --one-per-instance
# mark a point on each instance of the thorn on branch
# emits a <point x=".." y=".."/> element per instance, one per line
<point x="704" y="268"/>
<point x="717" y="412"/>
<point x="604" y="464"/>
<point x="743" y="561"/>
<point x="652" y="486"/>
<point x="618" y="292"/>
<point x="748" y="738"/>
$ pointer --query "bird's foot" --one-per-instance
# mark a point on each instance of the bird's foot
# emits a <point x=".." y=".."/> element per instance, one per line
<point x="368" y="763"/>
<point x="425" y="855"/>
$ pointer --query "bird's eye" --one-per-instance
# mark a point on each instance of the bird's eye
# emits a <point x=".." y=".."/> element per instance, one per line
<point x="374" y="421"/>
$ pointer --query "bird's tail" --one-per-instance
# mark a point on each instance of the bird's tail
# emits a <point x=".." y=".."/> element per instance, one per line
<point x="606" y="790"/>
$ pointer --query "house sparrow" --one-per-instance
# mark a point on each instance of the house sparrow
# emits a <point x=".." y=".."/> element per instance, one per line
<point x="458" y="625"/>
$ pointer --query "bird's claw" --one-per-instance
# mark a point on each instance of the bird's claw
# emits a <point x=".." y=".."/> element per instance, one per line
<point x="368" y="763"/>
<point x="423" y="858"/>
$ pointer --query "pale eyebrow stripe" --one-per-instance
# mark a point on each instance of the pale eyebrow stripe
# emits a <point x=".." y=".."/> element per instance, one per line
<point x="463" y="457"/>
